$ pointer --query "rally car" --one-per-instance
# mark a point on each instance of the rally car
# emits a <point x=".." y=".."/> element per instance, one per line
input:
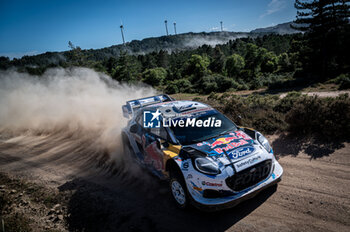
<point x="209" y="161"/>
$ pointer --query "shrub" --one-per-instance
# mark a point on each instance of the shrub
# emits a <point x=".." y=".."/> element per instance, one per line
<point x="183" y="85"/>
<point x="214" y="83"/>
<point x="234" y="65"/>
<point x="171" y="89"/>
<point x="256" y="83"/>
<point x="224" y="83"/>
<point x="344" y="81"/>
<point x="208" y="84"/>
<point x="154" y="76"/>
<point x="286" y="103"/>
<point x="209" y="87"/>
<point x="296" y="113"/>
<point x="212" y="96"/>
<point x="247" y="75"/>
<point x="268" y="121"/>
<point x="240" y="85"/>
<point x="254" y="111"/>
<point x="328" y="118"/>
<point x="336" y="117"/>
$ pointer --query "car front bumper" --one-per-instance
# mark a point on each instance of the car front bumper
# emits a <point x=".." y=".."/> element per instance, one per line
<point x="214" y="204"/>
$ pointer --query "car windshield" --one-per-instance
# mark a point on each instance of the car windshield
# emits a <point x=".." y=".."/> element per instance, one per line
<point x="194" y="134"/>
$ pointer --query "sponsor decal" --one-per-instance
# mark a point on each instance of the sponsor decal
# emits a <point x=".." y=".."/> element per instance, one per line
<point x="233" y="140"/>
<point x="185" y="107"/>
<point x="230" y="146"/>
<point x="202" y="144"/>
<point x="243" y="164"/>
<point x="211" y="184"/>
<point x="241" y="134"/>
<point x="241" y="152"/>
<point x="189" y="176"/>
<point x="185" y="165"/>
<point x="154" y="156"/>
<point x="222" y="141"/>
<point x="195" y="187"/>
<point x="273" y="176"/>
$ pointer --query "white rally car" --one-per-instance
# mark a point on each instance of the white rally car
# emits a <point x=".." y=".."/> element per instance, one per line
<point x="211" y="162"/>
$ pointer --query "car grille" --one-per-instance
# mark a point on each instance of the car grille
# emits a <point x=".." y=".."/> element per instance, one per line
<point x="250" y="176"/>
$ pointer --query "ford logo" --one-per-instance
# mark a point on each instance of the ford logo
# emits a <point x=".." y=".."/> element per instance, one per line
<point x="241" y="152"/>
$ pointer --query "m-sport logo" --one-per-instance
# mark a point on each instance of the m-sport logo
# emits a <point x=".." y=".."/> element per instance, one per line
<point x="151" y="119"/>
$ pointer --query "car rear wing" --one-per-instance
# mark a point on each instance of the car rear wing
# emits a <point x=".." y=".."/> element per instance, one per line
<point x="130" y="106"/>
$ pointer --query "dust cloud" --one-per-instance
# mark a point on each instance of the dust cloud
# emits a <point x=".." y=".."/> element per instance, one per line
<point x="65" y="111"/>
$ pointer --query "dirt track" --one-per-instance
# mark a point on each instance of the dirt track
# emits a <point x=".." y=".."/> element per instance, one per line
<point x="109" y="195"/>
<point x="322" y="94"/>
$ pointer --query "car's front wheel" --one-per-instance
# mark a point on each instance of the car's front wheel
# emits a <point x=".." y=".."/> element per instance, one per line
<point x="179" y="191"/>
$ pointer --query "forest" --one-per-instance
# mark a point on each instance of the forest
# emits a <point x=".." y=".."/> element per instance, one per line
<point x="318" y="53"/>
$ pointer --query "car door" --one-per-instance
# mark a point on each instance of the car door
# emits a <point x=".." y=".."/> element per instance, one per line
<point x="139" y="135"/>
<point x="154" y="157"/>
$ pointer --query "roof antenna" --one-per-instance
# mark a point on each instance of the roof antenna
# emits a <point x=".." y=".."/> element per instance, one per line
<point x="175" y="27"/>
<point x="166" y="27"/>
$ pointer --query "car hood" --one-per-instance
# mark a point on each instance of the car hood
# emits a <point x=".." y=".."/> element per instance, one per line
<point x="237" y="145"/>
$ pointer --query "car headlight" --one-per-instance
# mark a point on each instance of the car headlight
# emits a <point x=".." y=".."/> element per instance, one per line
<point x="264" y="142"/>
<point x="206" y="166"/>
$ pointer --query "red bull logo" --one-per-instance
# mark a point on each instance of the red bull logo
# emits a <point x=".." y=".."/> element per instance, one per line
<point x="230" y="146"/>
<point x="228" y="141"/>
<point x="221" y="141"/>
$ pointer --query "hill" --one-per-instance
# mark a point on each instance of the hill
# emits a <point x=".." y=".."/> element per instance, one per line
<point x="180" y="42"/>
<point x="282" y="29"/>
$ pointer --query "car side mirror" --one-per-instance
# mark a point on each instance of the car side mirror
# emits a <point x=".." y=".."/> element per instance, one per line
<point x="161" y="144"/>
<point x="134" y="128"/>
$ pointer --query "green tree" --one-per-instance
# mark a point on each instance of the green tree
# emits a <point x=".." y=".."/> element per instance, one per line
<point x="4" y="62"/>
<point x="218" y="60"/>
<point x="326" y="24"/>
<point x="182" y="85"/>
<point x="76" y="55"/>
<point x="162" y="59"/>
<point x="269" y="61"/>
<point x="154" y="76"/>
<point x="234" y="64"/>
<point x="197" y="67"/>
<point x="284" y="62"/>
<point x="252" y="58"/>
<point x="127" y="68"/>
<point x="110" y="65"/>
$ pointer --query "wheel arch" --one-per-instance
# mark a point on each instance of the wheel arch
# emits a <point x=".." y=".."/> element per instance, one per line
<point x="172" y="167"/>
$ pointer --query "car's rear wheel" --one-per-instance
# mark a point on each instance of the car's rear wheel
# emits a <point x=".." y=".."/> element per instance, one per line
<point x="178" y="190"/>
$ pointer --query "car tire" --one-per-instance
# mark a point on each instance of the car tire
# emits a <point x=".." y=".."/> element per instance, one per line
<point x="178" y="190"/>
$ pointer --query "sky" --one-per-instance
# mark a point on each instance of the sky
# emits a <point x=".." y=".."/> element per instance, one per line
<point x="29" y="27"/>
